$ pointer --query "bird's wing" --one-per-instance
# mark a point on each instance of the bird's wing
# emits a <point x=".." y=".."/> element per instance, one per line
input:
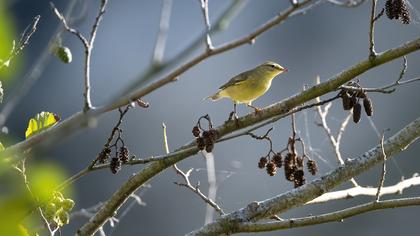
<point x="236" y="80"/>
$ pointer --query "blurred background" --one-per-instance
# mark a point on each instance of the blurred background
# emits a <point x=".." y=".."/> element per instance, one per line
<point x="322" y="42"/>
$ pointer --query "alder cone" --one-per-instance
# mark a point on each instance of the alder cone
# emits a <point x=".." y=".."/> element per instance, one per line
<point x="367" y="104"/>
<point x="357" y="112"/>
<point x="346" y="101"/>
<point x="353" y="100"/>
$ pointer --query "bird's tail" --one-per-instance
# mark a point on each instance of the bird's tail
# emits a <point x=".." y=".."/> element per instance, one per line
<point x="214" y="97"/>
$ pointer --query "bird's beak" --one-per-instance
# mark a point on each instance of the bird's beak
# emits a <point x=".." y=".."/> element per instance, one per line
<point x="285" y="70"/>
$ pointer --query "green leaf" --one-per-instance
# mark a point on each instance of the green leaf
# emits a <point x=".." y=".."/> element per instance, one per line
<point x="41" y="122"/>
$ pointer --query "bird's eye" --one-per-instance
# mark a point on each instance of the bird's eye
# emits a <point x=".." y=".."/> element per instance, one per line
<point x="273" y="66"/>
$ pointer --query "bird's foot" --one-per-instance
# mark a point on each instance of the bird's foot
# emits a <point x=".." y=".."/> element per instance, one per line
<point x="256" y="109"/>
<point x="233" y="116"/>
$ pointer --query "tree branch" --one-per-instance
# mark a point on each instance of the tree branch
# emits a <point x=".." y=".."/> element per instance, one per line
<point x="367" y="191"/>
<point x="165" y="17"/>
<point x="82" y="119"/>
<point x="88" y="46"/>
<point x="34" y="72"/>
<point x="250" y="38"/>
<point x="220" y="24"/>
<point x="205" y="9"/>
<point x="337" y="216"/>
<point x="259" y="210"/>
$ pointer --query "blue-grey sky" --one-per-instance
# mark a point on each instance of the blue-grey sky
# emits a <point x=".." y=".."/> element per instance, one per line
<point x="322" y="42"/>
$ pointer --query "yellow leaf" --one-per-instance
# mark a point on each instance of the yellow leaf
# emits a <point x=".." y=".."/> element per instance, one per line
<point x="41" y="122"/>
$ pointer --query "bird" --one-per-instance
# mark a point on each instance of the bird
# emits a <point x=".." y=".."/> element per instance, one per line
<point x="248" y="86"/>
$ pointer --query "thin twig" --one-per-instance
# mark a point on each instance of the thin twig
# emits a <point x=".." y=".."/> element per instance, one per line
<point x="220" y="24"/>
<point x="171" y="77"/>
<point x="372" y="53"/>
<point x="383" y="172"/>
<point x="51" y="229"/>
<point x="390" y="88"/>
<point x="334" y="141"/>
<point x="348" y="3"/>
<point x="34" y="73"/>
<point x="205" y="11"/>
<point x="23" y="42"/>
<point x="276" y="118"/>
<point x="297" y="197"/>
<point x="79" y="35"/>
<point x="186" y="177"/>
<point x="88" y="46"/>
<point x="165" y="17"/>
<point x="395" y="144"/>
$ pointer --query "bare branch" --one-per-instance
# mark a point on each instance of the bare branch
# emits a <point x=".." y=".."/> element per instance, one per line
<point x="34" y="73"/>
<point x="249" y="227"/>
<point x="383" y="172"/>
<point x="68" y="28"/>
<point x="98" y="19"/>
<point x="220" y="24"/>
<point x="373" y="19"/>
<point x="88" y="45"/>
<point x="297" y="197"/>
<point x="124" y="99"/>
<point x="165" y="17"/>
<point x="347" y="3"/>
<point x="186" y="177"/>
<point x="268" y="114"/>
<point x="335" y="141"/>
<point x="205" y="10"/>
<point x="390" y="88"/>
<point x="367" y="191"/>
<point x="23" y="42"/>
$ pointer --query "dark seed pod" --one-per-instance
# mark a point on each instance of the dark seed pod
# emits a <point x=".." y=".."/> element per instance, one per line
<point x="357" y="112"/>
<point x="271" y="168"/>
<point x="288" y="160"/>
<point x="299" y="179"/>
<point x="64" y="54"/>
<point x="107" y="150"/>
<point x="200" y="143"/>
<point x="209" y="147"/>
<point x="289" y="167"/>
<point x="299" y="162"/>
<point x="353" y="100"/>
<point x="289" y="172"/>
<point x="123" y="154"/>
<point x="312" y="167"/>
<point x="278" y="160"/>
<point x="196" y="131"/>
<point x="214" y="134"/>
<point x="115" y="165"/>
<point x="389" y="10"/>
<point x="346" y="100"/>
<point x="405" y="14"/>
<point x="263" y="161"/>
<point x="207" y="138"/>
<point x="367" y="104"/>
<point x="104" y="155"/>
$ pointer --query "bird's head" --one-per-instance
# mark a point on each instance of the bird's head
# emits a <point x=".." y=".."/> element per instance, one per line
<point x="271" y="68"/>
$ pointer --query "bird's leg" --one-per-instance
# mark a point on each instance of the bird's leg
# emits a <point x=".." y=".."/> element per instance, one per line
<point x="256" y="109"/>
<point x="233" y="113"/>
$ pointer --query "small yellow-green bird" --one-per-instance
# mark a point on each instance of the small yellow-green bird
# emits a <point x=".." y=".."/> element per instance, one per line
<point x="249" y="85"/>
